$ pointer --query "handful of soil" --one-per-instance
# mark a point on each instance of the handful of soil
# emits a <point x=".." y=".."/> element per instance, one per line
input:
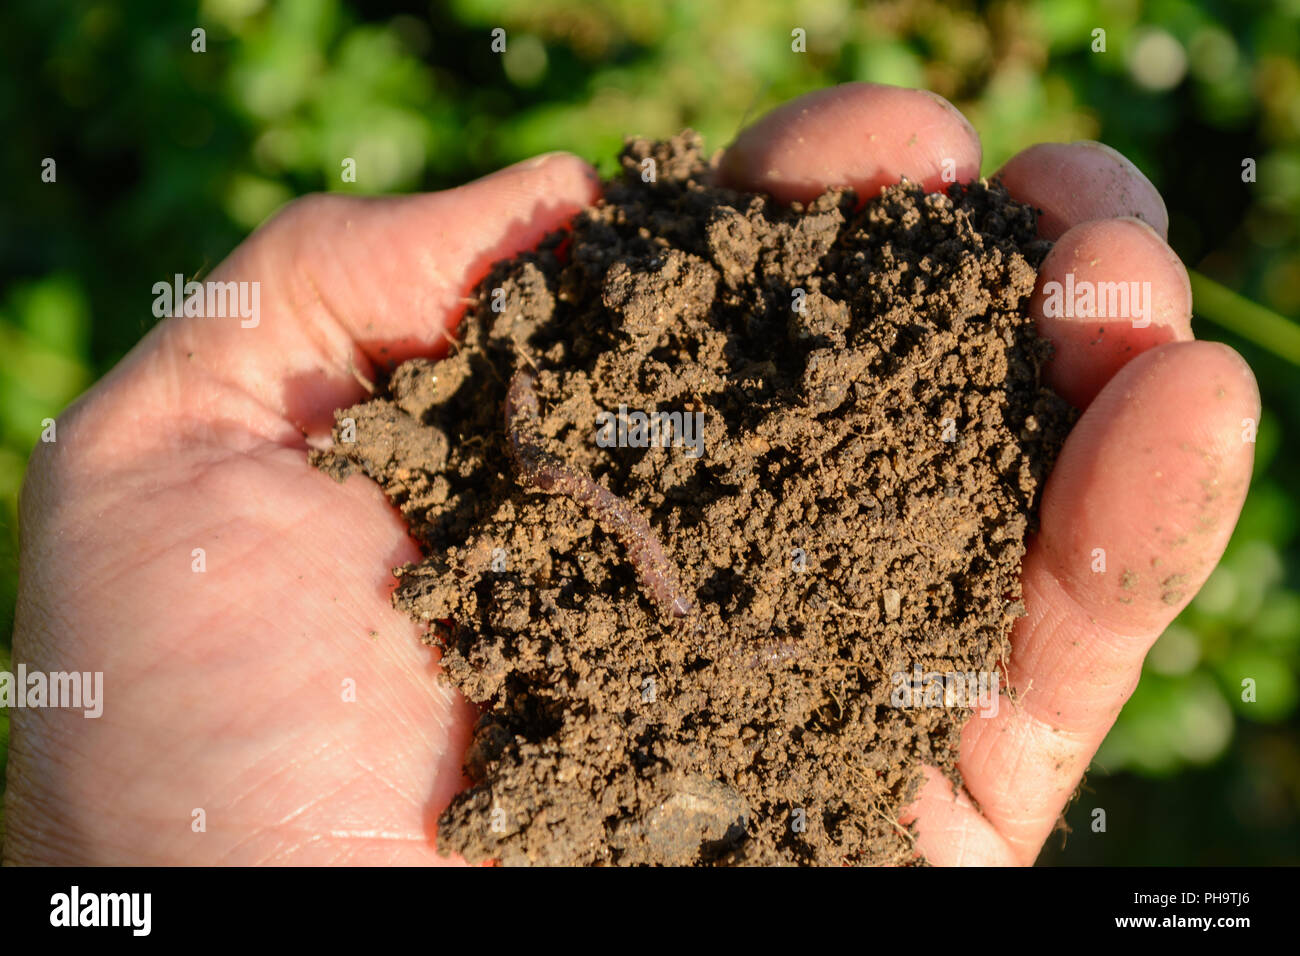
<point x="708" y="488"/>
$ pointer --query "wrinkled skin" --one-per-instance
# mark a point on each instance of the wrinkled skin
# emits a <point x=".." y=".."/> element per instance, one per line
<point x="225" y="689"/>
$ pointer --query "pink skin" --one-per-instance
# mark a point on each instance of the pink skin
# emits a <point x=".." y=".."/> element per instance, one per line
<point x="1079" y="182"/>
<point x="1155" y="471"/>
<point x="1089" y="350"/>
<point x="223" y="690"/>
<point x="860" y="135"/>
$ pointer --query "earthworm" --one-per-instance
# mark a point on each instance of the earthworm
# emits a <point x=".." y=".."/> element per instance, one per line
<point x="538" y="468"/>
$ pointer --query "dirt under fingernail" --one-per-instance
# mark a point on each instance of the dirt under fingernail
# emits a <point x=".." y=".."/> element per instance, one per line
<point x="691" y="651"/>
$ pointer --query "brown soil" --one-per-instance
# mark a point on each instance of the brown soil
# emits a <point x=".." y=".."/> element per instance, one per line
<point x="688" y="658"/>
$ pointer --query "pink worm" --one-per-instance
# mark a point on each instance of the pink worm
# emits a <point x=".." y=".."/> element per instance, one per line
<point x="539" y="469"/>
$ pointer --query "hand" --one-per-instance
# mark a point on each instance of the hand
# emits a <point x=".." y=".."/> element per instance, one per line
<point x="1154" y="472"/>
<point x="224" y="689"/>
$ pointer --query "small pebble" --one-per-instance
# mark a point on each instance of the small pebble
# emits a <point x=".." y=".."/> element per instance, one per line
<point x="893" y="604"/>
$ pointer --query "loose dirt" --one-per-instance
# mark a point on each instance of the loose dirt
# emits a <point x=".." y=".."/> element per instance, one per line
<point x="698" y="651"/>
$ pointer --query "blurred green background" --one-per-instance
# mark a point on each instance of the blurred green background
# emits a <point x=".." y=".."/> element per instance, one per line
<point x="168" y="157"/>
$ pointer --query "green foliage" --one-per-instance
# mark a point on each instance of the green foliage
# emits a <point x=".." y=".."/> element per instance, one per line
<point x="167" y="157"/>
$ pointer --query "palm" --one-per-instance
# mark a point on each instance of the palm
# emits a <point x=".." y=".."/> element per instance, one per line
<point x="279" y="692"/>
<point x="276" y="689"/>
<point x="336" y="744"/>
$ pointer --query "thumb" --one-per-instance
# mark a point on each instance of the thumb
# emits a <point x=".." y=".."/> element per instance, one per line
<point x="346" y="283"/>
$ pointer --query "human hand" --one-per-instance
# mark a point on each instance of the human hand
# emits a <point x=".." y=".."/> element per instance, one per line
<point x="1154" y="473"/>
<point x="224" y="690"/>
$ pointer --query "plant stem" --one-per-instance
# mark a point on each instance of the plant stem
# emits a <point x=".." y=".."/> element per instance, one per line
<point x="1236" y="313"/>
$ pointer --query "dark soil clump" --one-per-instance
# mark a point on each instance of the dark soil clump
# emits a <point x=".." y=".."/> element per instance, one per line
<point x="691" y="651"/>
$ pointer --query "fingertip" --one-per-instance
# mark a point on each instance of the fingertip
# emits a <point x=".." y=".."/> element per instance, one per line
<point x="1145" y="494"/>
<point x="444" y="243"/>
<point x="1109" y="290"/>
<point x="957" y="115"/>
<point x="1237" y="389"/>
<point x="859" y="135"/>
<point x="1078" y="182"/>
<point x="560" y="174"/>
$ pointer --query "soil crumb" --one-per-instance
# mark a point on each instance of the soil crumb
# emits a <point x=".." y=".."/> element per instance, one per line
<point x="723" y="504"/>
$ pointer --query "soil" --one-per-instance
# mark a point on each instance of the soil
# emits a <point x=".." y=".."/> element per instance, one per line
<point x="691" y="653"/>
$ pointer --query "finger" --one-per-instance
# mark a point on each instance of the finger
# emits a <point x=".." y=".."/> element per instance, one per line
<point x="1109" y="290"/>
<point x="395" y="271"/>
<point x="348" y="283"/>
<point x="950" y="830"/>
<point x="1079" y="182"/>
<point x="1135" y="515"/>
<point x="859" y="135"/>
